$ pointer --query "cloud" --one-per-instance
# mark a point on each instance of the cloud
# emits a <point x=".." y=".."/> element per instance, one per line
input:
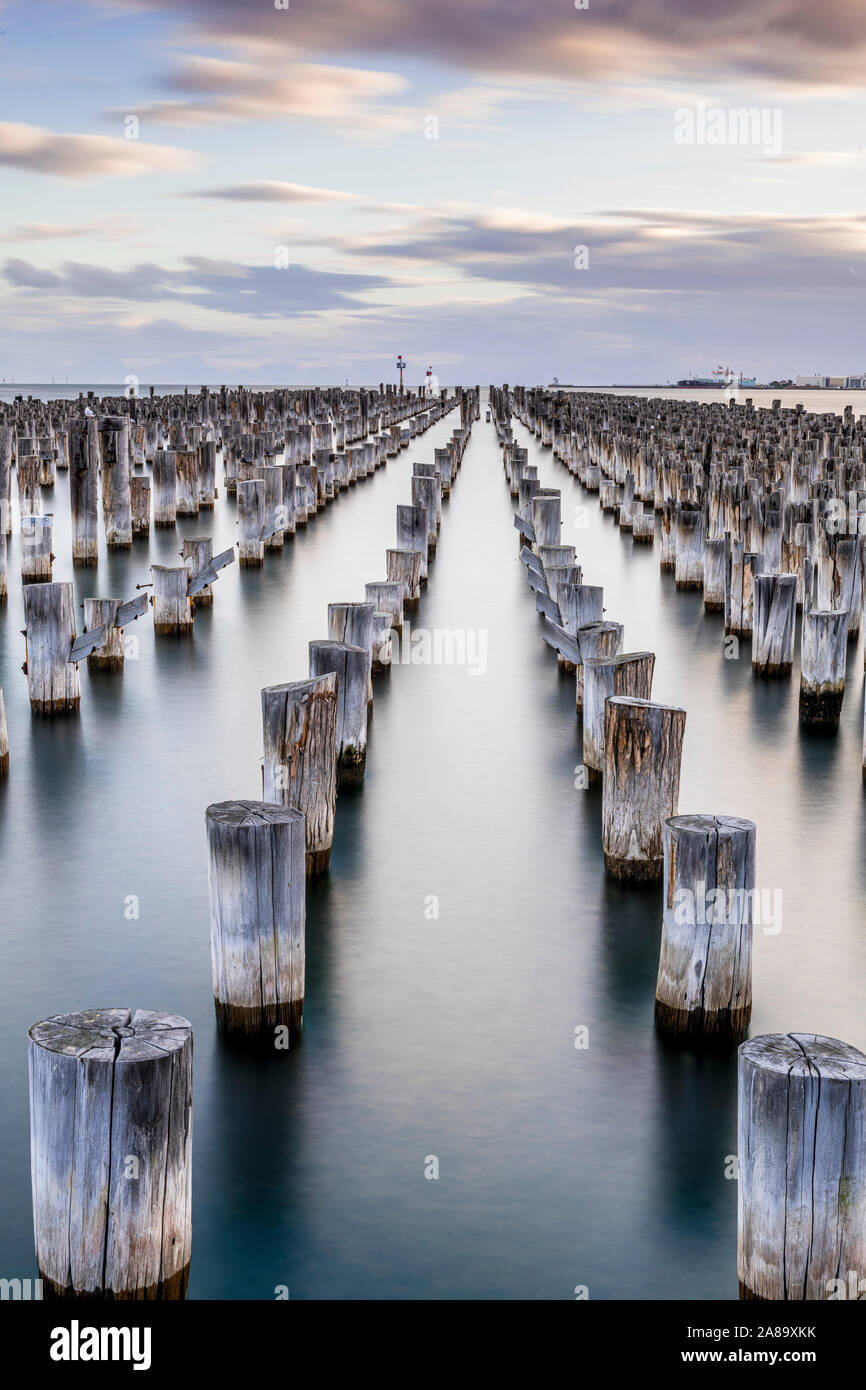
<point x="831" y="159"/>
<point x="202" y="284"/>
<point x="274" y="191"/>
<point x="214" y="91"/>
<point x="48" y="231"/>
<point x="787" y="40"/>
<point x="85" y="156"/>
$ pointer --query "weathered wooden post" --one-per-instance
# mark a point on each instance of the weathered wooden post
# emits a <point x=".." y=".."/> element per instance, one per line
<point x="257" y="909"/>
<point x="165" y="488"/>
<point x="84" y="490"/>
<point x="823" y="652"/>
<point x="689" y="565"/>
<point x="353" y="623"/>
<point x="207" y="475"/>
<point x="774" y="624"/>
<point x="288" y="514"/>
<point x="139" y="501"/>
<point x="7" y="443"/>
<point x="412" y="534"/>
<point x="801" y="1167"/>
<point x="102" y="612"/>
<point x="404" y="567"/>
<point x="172" y="607"/>
<point x="53" y="682"/>
<point x="37" y="556"/>
<point x="111" y="1153"/>
<point x="387" y="597"/>
<point x="427" y="494"/>
<point x="383" y="626"/>
<point x="272" y="504"/>
<point x="579" y="605"/>
<point x="116" y="505"/>
<point x="29" y="487"/>
<point x="705" y="967"/>
<point x="547" y="516"/>
<point x="740" y="567"/>
<point x="643" y="745"/>
<point x="251" y="508"/>
<point x="4" y="736"/>
<point x="299" y="768"/>
<point x="197" y="553"/>
<point x="596" y="639"/>
<point x="714" y="575"/>
<point x="352" y="668"/>
<point x="625" y="673"/>
<point x="188" y="484"/>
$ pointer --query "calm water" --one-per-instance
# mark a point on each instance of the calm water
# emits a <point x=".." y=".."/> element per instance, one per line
<point x="451" y="1037"/>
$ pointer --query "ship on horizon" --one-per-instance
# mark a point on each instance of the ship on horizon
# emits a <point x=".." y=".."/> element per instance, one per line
<point x="719" y="377"/>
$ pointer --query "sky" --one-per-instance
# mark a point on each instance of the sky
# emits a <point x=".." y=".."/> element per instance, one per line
<point x="615" y="191"/>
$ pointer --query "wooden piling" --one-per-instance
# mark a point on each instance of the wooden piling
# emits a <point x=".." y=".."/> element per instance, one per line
<point x="251" y="508"/>
<point x="596" y="639"/>
<point x="412" y="534"/>
<point x="84" y="490"/>
<point x="625" y="673"/>
<point x="4" y="736"/>
<point x="172" y="608"/>
<point x="37" y="557"/>
<point x="165" y="488"/>
<point x="404" y="567"/>
<point x="299" y="768"/>
<point x="188" y="485"/>
<point x="353" y="623"/>
<point x="387" y="597"/>
<point x="823" y="652"/>
<point x="53" y="682"/>
<point x="139" y="501"/>
<point x="352" y="667"/>
<point x="101" y="612"/>
<point x="7" y="446"/>
<point x="643" y="744"/>
<point x="110" y="1153"/>
<point x="802" y="1167"/>
<point x="704" y="984"/>
<point x="257" y="909"/>
<point x="207" y="474"/>
<point x="116" y="505"/>
<point x="774" y="624"/>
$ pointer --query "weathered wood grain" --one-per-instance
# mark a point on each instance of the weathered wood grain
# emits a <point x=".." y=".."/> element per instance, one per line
<point x="802" y="1166"/>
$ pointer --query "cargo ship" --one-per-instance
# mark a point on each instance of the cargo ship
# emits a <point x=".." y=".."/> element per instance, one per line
<point x="719" y="377"/>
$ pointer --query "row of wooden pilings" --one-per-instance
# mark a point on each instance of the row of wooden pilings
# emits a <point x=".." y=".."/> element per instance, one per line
<point x="763" y="511"/>
<point x="276" y="495"/>
<point x="111" y="1092"/>
<point x="802" y="1097"/>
